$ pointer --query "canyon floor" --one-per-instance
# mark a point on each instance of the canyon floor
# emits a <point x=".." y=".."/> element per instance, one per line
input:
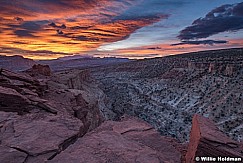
<point x="169" y="109"/>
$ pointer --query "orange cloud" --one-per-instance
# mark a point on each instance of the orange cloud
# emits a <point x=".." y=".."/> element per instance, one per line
<point x="63" y="26"/>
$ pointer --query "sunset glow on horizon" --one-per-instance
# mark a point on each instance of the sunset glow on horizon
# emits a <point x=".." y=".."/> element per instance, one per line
<point x="42" y="29"/>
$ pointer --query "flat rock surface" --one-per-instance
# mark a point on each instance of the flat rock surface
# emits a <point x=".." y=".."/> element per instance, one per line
<point x="128" y="141"/>
<point x="38" y="134"/>
<point x="10" y="155"/>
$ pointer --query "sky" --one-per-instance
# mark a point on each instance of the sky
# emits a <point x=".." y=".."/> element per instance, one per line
<point x="49" y="29"/>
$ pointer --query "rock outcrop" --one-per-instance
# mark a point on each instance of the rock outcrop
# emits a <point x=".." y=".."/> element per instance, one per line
<point x="39" y="118"/>
<point x="12" y="101"/>
<point x="39" y="70"/>
<point x="85" y="91"/>
<point x="38" y="137"/>
<point x="20" y="92"/>
<point x="127" y="141"/>
<point x="206" y="140"/>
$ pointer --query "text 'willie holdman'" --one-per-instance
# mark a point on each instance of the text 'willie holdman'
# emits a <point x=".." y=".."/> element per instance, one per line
<point x="219" y="159"/>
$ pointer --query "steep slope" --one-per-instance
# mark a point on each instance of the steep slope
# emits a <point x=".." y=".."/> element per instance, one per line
<point x="167" y="92"/>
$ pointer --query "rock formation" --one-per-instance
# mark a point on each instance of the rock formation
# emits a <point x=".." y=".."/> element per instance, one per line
<point x="206" y="140"/>
<point x="39" y="118"/>
<point x="39" y="70"/>
<point x="127" y="141"/>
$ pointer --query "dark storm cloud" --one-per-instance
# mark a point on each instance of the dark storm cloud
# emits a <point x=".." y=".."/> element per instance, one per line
<point x="222" y="19"/>
<point x="204" y="42"/>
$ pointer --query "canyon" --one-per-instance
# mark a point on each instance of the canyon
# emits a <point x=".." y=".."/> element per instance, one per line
<point x="169" y="109"/>
<point x="166" y="92"/>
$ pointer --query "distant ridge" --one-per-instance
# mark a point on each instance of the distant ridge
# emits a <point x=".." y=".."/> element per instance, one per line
<point x="72" y="62"/>
<point x="16" y="62"/>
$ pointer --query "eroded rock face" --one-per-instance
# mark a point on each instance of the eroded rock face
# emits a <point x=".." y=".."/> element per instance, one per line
<point x="207" y="140"/>
<point x="22" y="82"/>
<point x="128" y="141"/>
<point x="86" y="92"/>
<point x="44" y="116"/>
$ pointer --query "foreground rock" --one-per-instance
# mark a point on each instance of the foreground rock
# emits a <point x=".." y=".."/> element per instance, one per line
<point x="11" y="100"/>
<point x="37" y="136"/>
<point x="40" y="116"/>
<point x="128" y="141"/>
<point x="10" y="155"/>
<point x="206" y="140"/>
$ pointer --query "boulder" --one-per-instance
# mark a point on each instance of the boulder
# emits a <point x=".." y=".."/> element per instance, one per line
<point x="206" y="140"/>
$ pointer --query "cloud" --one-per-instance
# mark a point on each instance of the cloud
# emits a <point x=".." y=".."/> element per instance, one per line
<point x="23" y="33"/>
<point x="59" y="32"/>
<point x="19" y="19"/>
<point x="154" y="48"/>
<point x="76" y="26"/>
<point x="198" y="42"/>
<point x="30" y="53"/>
<point x="63" y="26"/>
<point x="226" y="18"/>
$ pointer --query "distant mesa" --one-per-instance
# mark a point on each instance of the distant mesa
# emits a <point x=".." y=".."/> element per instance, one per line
<point x="16" y="63"/>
